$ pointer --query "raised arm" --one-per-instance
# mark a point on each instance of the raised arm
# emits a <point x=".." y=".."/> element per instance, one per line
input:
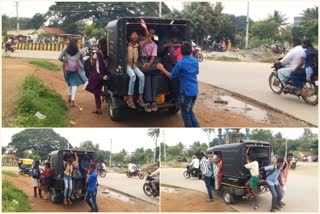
<point x="147" y="40"/>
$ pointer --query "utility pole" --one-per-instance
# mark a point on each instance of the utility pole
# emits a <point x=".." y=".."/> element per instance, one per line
<point x="17" y="10"/>
<point x="247" y="27"/>
<point x="285" y="155"/>
<point x="164" y="147"/>
<point x="160" y="9"/>
<point x="110" y="153"/>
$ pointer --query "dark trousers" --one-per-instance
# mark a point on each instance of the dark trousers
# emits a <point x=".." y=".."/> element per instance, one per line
<point x="298" y="78"/>
<point x="208" y="183"/>
<point x="276" y="195"/>
<point x="90" y="198"/>
<point x="186" y="108"/>
<point x="150" y="86"/>
<point x="98" y="101"/>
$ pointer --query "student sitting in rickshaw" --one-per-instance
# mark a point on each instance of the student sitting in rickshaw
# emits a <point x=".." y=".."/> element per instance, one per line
<point x="252" y="184"/>
<point x="132" y="67"/>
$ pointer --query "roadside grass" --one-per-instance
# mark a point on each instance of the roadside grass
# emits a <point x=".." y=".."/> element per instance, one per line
<point x="45" y="64"/>
<point x="224" y="58"/>
<point x="12" y="174"/>
<point x="265" y="59"/>
<point x="36" y="97"/>
<point x="13" y="199"/>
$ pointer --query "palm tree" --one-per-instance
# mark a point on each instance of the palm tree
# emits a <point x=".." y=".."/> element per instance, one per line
<point x="310" y="14"/>
<point x="279" y="18"/>
<point x="154" y="134"/>
<point x="208" y="132"/>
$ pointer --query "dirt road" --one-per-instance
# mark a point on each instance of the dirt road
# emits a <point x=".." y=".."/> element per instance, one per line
<point x="108" y="201"/>
<point x="232" y="113"/>
<point x="184" y="200"/>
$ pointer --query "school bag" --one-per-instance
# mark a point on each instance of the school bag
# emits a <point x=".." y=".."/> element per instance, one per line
<point x="314" y="60"/>
<point x="72" y="63"/>
<point x="35" y="173"/>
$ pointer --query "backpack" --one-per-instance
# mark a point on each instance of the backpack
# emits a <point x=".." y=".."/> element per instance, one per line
<point x="270" y="172"/>
<point x="314" y="60"/>
<point x="72" y="63"/>
<point x="35" y="173"/>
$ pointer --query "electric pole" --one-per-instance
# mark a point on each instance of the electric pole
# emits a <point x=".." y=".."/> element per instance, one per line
<point x="247" y="27"/>
<point x="164" y="147"/>
<point x="110" y="153"/>
<point x="160" y="9"/>
<point x="17" y="10"/>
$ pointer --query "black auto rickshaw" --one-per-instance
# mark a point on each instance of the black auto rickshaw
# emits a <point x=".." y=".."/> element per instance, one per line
<point x="56" y="187"/>
<point x="234" y="174"/>
<point x="117" y="40"/>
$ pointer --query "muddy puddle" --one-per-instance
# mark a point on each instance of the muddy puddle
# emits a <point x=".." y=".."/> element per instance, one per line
<point x="168" y="190"/>
<point x="115" y="195"/>
<point x="230" y="104"/>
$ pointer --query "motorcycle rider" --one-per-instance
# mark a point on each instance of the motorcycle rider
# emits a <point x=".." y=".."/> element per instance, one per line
<point x="132" y="168"/>
<point x="196" y="165"/>
<point x="155" y="183"/>
<point x="310" y="50"/>
<point x="9" y="43"/>
<point x="294" y="60"/>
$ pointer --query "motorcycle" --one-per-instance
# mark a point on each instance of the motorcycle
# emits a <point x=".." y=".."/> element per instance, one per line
<point x="10" y="47"/>
<point x="311" y="88"/>
<point x="25" y="171"/>
<point x="135" y="173"/>
<point x="190" y="173"/>
<point x="294" y="165"/>
<point x="148" y="189"/>
<point x="197" y="54"/>
<point x="102" y="172"/>
<point x="217" y="48"/>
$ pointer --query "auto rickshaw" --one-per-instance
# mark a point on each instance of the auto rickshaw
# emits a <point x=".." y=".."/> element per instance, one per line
<point x="234" y="174"/>
<point x="116" y="89"/>
<point x="56" y="158"/>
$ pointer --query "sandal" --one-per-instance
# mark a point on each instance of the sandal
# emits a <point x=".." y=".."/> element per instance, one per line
<point x="131" y="104"/>
<point x="72" y="104"/>
<point x="154" y="106"/>
<point x="141" y="103"/>
<point x="147" y="108"/>
<point x="97" y="112"/>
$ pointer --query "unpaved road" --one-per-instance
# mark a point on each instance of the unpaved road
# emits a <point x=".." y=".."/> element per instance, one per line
<point x="108" y="201"/>
<point x="237" y="113"/>
<point x="184" y="200"/>
<point x="302" y="189"/>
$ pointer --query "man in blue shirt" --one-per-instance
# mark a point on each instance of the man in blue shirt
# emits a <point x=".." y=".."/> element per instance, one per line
<point x="91" y="193"/>
<point x="186" y="70"/>
<point x="273" y="184"/>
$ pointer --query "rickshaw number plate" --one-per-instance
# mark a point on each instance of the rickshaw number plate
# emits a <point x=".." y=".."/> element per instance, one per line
<point x="160" y="99"/>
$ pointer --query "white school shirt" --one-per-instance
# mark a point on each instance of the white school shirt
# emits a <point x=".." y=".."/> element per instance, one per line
<point x="195" y="162"/>
<point x="253" y="167"/>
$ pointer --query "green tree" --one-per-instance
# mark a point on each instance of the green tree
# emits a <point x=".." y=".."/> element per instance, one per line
<point x="208" y="132"/>
<point x="88" y="146"/>
<point x="279" y="18"/>
<point x="154" y="134"/>
<point x="36" y="21"/>
<point x="264" y="29"/>
<point x="38" y="141"/>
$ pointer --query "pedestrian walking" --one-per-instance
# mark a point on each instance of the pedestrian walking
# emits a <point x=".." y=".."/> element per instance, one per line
<point x="207" y="173"/>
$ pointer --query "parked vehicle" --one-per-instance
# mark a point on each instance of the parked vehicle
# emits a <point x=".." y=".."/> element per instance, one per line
<point x="234" y="174"/>
<point x="24" y="170"/>
<point x="190" y="172"/>
<point x="136" y="173"/>
<point x="117" y="86"/>
<point x="311" y="88"/>
<point x="55" y="158"/>
<point x="148" y="189"/>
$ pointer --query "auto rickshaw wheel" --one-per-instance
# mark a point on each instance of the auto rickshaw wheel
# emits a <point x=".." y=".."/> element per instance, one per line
<point x="54" y="197"/>
<point x="228" y="197"/>
<point x="114" y="113"/>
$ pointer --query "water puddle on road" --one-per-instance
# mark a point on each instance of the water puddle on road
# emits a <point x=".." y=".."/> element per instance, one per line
<point x="228" y="103"/>
<point x="168" y="190"/>
<point x="118" y="196"/>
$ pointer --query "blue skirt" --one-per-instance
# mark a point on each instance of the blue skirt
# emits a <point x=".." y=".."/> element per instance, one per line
<point x="75" y="78"/>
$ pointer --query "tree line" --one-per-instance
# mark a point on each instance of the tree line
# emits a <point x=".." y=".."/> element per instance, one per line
<point x="207" y="19"/>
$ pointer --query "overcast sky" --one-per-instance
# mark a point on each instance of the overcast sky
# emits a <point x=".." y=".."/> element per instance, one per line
<point x="258" y="9"/>
<point x="132" y="138"/>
